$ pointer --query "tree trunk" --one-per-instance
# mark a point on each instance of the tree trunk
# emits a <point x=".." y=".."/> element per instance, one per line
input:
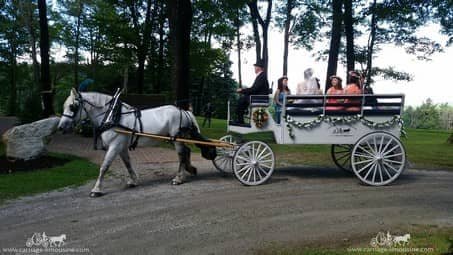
<point x="289" y="8"/>
<point x="180" y="19"/>
<point x="125" y="79"/>
<point x="31" y="31"/>
<point x="12" y="102"/>
<point x="46" y="90"/>
<point x="142" y="51"/>
<point x="77" y="42"/>
<point x="371" y="38"/>
<point x="335" y="38"/>
<point x="349" y="32"/>
<point x="255" y="15"/>
<point x="160" y="61"/>
<point x="239" y="46"/>
<point x="257" y="38"/>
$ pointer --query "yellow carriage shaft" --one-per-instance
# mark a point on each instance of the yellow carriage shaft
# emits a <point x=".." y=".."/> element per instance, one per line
<point x="216" y="143"/>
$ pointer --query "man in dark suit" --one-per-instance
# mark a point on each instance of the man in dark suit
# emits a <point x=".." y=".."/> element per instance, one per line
<point x="259" y="87"/>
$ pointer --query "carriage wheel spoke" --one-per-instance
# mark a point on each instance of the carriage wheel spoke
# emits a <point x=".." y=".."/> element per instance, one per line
<point x="375" y="170"/>
<point x="363" y="161"/>
<point x="342" y="157"/>
<point x="369" y="171"/>
<point x="250" y="173"/>
<point x="386" y="171"/>
<point x="363" y="155"/>
<point x="361" y="169"/>
<point x="387" y="152"/>
<point x="380" y="172"/>
<point x="249" y="168"/>
<point x="366" y="151"/>
<point x="244" y="159"/>
<point x="380" y="144"/>
<point x="243" y="169"/>
<point x="390" y="166"/>
<point x="265" y="156"/>
<point x="393" y="161"/>
<point x="264" y="171"/>
<point x="393" y="155"/>
<point x="375" y="144"/>
<point x="267" y="166"/>
<point x="371" y="148"/>
<point x="258" y="171"/>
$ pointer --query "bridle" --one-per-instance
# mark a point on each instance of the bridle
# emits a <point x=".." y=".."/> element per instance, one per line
<point x="79" y="102"/>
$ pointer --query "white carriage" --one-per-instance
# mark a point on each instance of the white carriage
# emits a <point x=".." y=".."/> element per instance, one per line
<point x="364" y="131"/>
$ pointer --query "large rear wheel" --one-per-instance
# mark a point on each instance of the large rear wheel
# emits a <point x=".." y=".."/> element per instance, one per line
<point x="378" y="158"/>
<point x="341" y="156"/>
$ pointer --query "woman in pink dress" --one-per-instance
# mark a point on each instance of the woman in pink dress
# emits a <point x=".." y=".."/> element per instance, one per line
<point x="335" y="89"/>
<point x="353" y="88"/>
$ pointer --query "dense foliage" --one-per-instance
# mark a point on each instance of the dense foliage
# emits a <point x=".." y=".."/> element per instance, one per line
<point x="129" y="44"/>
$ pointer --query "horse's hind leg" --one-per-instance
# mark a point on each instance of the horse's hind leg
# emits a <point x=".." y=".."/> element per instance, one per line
<point x="191" y="169"/>
<point x="184" y="163"/>
<point x="132" y="180"/>
<point x="112" y="152"/>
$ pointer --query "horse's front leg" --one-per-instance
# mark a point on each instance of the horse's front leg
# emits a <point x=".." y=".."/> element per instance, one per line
<point x="133" y="179"/>
<point x="111" y="154"/>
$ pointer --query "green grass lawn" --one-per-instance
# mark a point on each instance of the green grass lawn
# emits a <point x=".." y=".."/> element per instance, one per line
<point x="426" y="149"/>
<point x="435" y="241"/>
<point x="75" y="172"/>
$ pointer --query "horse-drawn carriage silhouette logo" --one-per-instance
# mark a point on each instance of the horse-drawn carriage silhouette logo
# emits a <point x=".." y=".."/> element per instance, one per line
<point x="45" y="241"/>
<point x="388" y="240"/>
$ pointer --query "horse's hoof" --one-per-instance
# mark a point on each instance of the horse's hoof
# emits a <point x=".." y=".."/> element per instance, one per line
<point x="192" y="171"/>
<point x="173" y="182"/>
<point x="131" y="185"/>
<point x="96" y="194"/>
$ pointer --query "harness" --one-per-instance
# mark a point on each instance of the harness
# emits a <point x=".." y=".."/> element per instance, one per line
<point x="112" y="117"/>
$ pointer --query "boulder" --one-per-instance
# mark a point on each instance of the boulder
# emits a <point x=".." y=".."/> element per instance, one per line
<point x="29" y="141"/>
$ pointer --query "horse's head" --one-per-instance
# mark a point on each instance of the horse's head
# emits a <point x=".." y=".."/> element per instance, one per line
<point x="72" y="111"/>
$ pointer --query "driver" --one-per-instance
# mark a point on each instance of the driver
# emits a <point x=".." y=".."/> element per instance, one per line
<point x="259" y="87"/>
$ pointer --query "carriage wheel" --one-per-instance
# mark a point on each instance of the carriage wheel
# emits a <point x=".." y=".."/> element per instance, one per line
<point x="341" y="156"/>
<point x="378" y="158"/>
<point x="253" y="163"/>
<point x="224" y="159"/>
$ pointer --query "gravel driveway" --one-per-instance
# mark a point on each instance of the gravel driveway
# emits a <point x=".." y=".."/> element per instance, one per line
<point x="215" y="214"/>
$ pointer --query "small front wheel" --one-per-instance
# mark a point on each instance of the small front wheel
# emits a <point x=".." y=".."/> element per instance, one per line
<point x="253" y="163"/>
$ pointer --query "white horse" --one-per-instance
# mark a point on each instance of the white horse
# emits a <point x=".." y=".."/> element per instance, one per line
<point x="57" y="241"/>
<point x="164" y="120"/>
<point x="398" y="239"/>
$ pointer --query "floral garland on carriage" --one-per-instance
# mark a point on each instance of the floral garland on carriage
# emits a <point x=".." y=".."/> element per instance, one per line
<point x="290" y="122"/>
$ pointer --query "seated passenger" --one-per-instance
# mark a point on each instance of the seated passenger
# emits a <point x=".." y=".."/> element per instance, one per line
<point x="335" y="89"/>
<point x="280" y="94"/>
<point x="259" y="87"/>
<point x="310" y="86"/>
<point x="353" y="88"/>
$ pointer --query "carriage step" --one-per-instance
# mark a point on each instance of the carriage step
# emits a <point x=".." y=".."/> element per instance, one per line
<point x="232" y="123"/>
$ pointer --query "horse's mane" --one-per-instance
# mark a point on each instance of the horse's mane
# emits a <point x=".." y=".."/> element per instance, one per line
<point x="99" y="99"/>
